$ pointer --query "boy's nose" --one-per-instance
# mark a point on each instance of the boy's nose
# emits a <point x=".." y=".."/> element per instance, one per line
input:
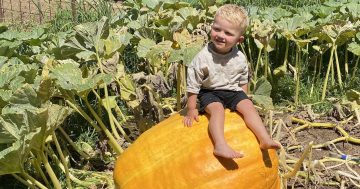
<point x="221" y="35"/>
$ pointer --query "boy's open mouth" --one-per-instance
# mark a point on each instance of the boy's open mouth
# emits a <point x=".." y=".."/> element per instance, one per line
<point x="219" y="41"/>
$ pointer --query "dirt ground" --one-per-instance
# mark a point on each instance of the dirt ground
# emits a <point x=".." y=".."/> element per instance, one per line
<point x="327" y="169"/>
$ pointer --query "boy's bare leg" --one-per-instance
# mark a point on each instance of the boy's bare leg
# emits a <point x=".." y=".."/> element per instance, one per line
<point x="216" y="127"/>
<point x="254" y="122"/>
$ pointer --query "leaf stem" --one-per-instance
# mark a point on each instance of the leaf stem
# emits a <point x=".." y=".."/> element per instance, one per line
<point x="257" y="67"/>
<point x="327" y="74"/>
<point x="50" y="171"/>
<point x="37" y="167"/>
<point x="178" y="87"/>
<point x="338" y="68"/>
<point x="112" y="140"/>
<point x="58" y="148"/>
<point x="23" y="181"/>
<point x="297" y="67"/>
<point x="83" y="114"/>
<point x="82" y="154"/>
<point x="355" y="68"/>
<point x="32" y="180"/>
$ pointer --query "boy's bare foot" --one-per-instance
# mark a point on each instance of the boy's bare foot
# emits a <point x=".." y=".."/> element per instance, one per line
<point x="226" y="152"/>
<point x="269" y="144"/>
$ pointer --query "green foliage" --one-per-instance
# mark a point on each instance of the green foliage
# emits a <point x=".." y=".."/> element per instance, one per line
<point x="283" y="90"/>
<point x="128" y="66"/>
<point x="64" y="19"/>
<point x="270" y="3"/>
<point x="261" y="94"/>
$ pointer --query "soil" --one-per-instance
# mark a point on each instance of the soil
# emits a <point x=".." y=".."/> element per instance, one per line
<point x="326" y="175"/>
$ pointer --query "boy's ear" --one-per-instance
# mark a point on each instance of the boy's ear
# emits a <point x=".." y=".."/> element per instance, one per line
<point x="241" y="39"/>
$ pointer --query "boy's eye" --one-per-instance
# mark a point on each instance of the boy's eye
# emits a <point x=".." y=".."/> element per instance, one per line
<point x="216" y="29"/>
<point x="229" y="34"/>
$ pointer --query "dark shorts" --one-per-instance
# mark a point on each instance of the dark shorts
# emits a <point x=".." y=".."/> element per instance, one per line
<point x="229" y="99"/>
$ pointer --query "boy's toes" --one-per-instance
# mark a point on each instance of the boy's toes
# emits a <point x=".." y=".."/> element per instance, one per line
<point x="270" y="145"/>
<point x="227" y="152"/>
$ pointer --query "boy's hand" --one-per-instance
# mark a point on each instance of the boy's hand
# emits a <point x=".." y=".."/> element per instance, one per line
<point x="191" y="115"/>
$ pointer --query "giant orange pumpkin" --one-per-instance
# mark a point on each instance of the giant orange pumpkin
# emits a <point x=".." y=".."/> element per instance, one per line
<point x="171" y="156"/>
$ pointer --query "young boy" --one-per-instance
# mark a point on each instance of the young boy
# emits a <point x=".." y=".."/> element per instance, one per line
<point x="218" y="77"/>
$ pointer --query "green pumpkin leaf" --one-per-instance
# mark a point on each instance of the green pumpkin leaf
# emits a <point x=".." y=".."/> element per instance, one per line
<point x="3" y="28"/>
<point x="354" y="47"/>
<point x="163" y="31"/>
<point x="187" y="12"/>
<point x="151" y="3"/>
<point x="322" y="48"/>
<point x="175" y="5"/>
<point x="35" y="37"/>
<point x="144" y="46"/>
<point x="116" y="42"/>
<point x="189" y="46"/>
<point x="263" y="101"/>
<point x="4" y="97"/>
<point x="36" y="127"/>
<point x="351" y="8"/>
<point x="280" y="71"/>
<point x="324" y="11"/>
<point x="336" y="33"/>
<point x="69" y="77"/>
<point x="353" y="95"/>
<point x="7" y="48"/>
<point x="111" y="100"/>
<point x="25" y="95"/>
<point x="86" y="55"/>
<point x="128" y="91"/>
<point x="56" y="116"/>
<point x="156" y="53"/>
<point x="275" y="13"/>
<point x="261" y="94"/>
<point x="9" y="35"/>
<point x="207" y="3"/>
<point x="263" y="87"/>
<point x="189" y="53"/>
<point x="176" y="55"/>
<point x="258" y="44"/>
<point x="3" y="60"/>
<point x="12" y="158"/>
<point x="17" y="82"/>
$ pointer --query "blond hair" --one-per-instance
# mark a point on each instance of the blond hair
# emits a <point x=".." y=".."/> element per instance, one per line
<point x="234" y="14"/>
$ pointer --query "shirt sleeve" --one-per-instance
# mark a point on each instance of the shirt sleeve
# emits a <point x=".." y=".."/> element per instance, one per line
<point x="194" y="77"/>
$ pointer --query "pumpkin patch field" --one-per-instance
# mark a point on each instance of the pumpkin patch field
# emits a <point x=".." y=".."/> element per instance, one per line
<point x="96" y="99"/>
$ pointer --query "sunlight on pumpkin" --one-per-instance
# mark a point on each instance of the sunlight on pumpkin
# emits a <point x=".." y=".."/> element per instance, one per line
<point x="170" y="155"/>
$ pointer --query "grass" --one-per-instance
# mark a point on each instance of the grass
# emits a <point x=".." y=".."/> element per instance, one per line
<point x="64" y="19"/>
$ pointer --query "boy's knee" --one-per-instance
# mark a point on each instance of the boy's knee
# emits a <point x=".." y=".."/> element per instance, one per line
<point x="244" y="105"/>
<point x="215" y="106"/>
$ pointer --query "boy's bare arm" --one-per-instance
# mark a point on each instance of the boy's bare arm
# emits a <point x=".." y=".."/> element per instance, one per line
<point x="192" y="112"/>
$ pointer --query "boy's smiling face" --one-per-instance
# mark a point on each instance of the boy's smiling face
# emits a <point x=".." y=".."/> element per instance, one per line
<point x="225" y="35"/>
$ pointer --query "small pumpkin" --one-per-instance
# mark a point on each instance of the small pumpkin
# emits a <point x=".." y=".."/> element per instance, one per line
<point x="171" y="156"/>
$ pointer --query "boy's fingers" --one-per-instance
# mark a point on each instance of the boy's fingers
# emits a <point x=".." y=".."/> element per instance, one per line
<point x="197" y="118"/>
<point x="187" y="121"/>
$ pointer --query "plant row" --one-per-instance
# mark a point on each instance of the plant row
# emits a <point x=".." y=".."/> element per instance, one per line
<point x="131" y="69"/>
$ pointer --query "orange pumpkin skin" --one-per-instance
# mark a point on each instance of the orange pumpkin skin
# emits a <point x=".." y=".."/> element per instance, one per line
<point x="171" y="156"/>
